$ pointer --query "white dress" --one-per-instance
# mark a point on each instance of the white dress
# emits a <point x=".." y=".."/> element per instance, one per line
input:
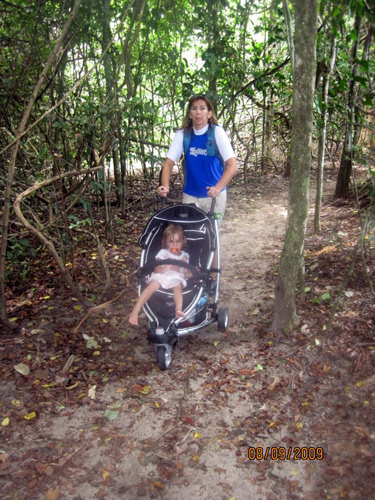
<point x="172" y="277"/>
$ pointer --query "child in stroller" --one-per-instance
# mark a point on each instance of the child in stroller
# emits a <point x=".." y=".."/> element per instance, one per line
<point x="167" y="276"/>
<point x="167" y="320"/>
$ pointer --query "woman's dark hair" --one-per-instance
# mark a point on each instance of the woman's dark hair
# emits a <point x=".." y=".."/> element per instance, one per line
<point x="187" y="124"/>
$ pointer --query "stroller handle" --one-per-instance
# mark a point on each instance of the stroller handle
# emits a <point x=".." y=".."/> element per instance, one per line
<point x="210" y="213"/>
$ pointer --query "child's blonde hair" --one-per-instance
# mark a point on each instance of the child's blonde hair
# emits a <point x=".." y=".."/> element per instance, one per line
<point x="170" y="231"/>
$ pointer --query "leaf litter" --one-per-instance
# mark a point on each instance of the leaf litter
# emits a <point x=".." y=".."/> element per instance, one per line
<point x="96" y="418"/>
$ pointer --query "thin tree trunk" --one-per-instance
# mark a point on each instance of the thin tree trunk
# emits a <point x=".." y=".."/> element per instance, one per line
<point x="322" y="135"/>
<point x="285" y="316"/>
<point x="289" y="31"/>
<point x="45" y="241"/>
<point x="346" y="165"/>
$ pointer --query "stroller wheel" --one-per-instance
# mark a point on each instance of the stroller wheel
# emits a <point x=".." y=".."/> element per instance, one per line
<point x="222" y="319"/>
<point x="164" y="356"/>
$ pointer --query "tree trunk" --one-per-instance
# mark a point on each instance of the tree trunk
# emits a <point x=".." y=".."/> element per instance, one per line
<point x="289" y="31"/>
<point x="306" y="12"/>
<point x="346" y="164"/>
<point x="322" y="135"/>
<point x="268" y="149"/>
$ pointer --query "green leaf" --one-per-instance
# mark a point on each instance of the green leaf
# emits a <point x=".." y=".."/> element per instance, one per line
<point x="111" y="414"/>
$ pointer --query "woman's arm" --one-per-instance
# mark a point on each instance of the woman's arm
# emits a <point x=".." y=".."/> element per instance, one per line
<point x="173" y="154"/>
<point x="228" y="174"/>
<point x="165" y="177"/>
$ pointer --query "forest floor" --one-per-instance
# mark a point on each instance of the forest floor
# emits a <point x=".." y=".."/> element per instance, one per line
<point x="95" y="418"/>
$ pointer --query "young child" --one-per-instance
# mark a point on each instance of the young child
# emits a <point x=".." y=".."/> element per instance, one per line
<point x="167" y="276"/>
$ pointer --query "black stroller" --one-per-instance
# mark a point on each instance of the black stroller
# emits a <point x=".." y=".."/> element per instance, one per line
<point x="200" y="296"/>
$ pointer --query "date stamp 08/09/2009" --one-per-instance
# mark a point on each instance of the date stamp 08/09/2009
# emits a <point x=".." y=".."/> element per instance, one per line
<point x="285" y="453"/>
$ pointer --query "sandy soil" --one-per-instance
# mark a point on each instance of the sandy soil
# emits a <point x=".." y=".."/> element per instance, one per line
<point x="185" y="433"/>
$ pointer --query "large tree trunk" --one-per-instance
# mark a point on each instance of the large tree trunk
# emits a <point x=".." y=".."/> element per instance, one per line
<point x="306" y="12"/>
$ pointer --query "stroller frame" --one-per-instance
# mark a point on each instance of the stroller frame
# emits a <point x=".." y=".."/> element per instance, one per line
<point x="200" y="297"/>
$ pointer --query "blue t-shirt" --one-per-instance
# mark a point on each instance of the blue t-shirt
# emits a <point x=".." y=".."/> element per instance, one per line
<point x="201" y="170"/>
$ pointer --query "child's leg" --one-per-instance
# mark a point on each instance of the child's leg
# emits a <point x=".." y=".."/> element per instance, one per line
<point x="143" y="298"/>
<point x="178" y="300"/>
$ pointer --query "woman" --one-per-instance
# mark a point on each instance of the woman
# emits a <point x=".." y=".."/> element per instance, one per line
<point x="205" y="176"/>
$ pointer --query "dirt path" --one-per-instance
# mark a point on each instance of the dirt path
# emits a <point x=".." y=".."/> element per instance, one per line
<point x="251" y="238"/>
<point x="185" y="433"/>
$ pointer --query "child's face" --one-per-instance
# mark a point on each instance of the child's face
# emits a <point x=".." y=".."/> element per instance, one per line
<point x="174" y="243"/>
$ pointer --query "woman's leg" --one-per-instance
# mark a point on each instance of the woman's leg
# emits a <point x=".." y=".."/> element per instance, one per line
<point x="178" y="300"/>
<point x="143" y="298"/>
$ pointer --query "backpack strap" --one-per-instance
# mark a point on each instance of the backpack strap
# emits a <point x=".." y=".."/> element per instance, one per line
<point x="187" y="137"/>
<point x="212" y="149"/>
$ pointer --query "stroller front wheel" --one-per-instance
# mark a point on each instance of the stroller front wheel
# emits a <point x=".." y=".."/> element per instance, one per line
<point x="164" y="356"/>
<point x="222" y="319"/>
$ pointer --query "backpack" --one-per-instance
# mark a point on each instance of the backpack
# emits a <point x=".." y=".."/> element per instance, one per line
<point x="212" y="149"/>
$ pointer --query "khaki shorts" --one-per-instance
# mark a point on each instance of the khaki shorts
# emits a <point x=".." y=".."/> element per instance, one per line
<point x="205" y="204"/>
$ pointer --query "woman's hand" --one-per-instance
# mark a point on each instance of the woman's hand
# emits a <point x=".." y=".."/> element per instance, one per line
<point x="212" y="191"/>
<point x="162" y="191"/>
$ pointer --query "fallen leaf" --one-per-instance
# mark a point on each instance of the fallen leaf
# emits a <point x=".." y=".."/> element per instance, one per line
<point x="52" y="493"/>
<point x="91" y="342"/>
<point x="5" y="422"/>
<point x="274" y="383"/>
<point x="143" y="389"/>
<point x="111" y="414"/>
<point x="30" y="416"/>
<point x="92" y="392"/>
<point x="218" y="470"/>
<point x="120" y="390"/>
<point x="22" y="368"/>
<point x="158" y="484"/>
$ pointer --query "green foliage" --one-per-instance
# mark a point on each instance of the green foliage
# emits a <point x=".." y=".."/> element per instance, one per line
<point x="160" y="53"/>
<point x="19" y="255"/>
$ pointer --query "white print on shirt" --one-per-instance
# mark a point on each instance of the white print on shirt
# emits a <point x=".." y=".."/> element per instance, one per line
<point x="198" y="152"/>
